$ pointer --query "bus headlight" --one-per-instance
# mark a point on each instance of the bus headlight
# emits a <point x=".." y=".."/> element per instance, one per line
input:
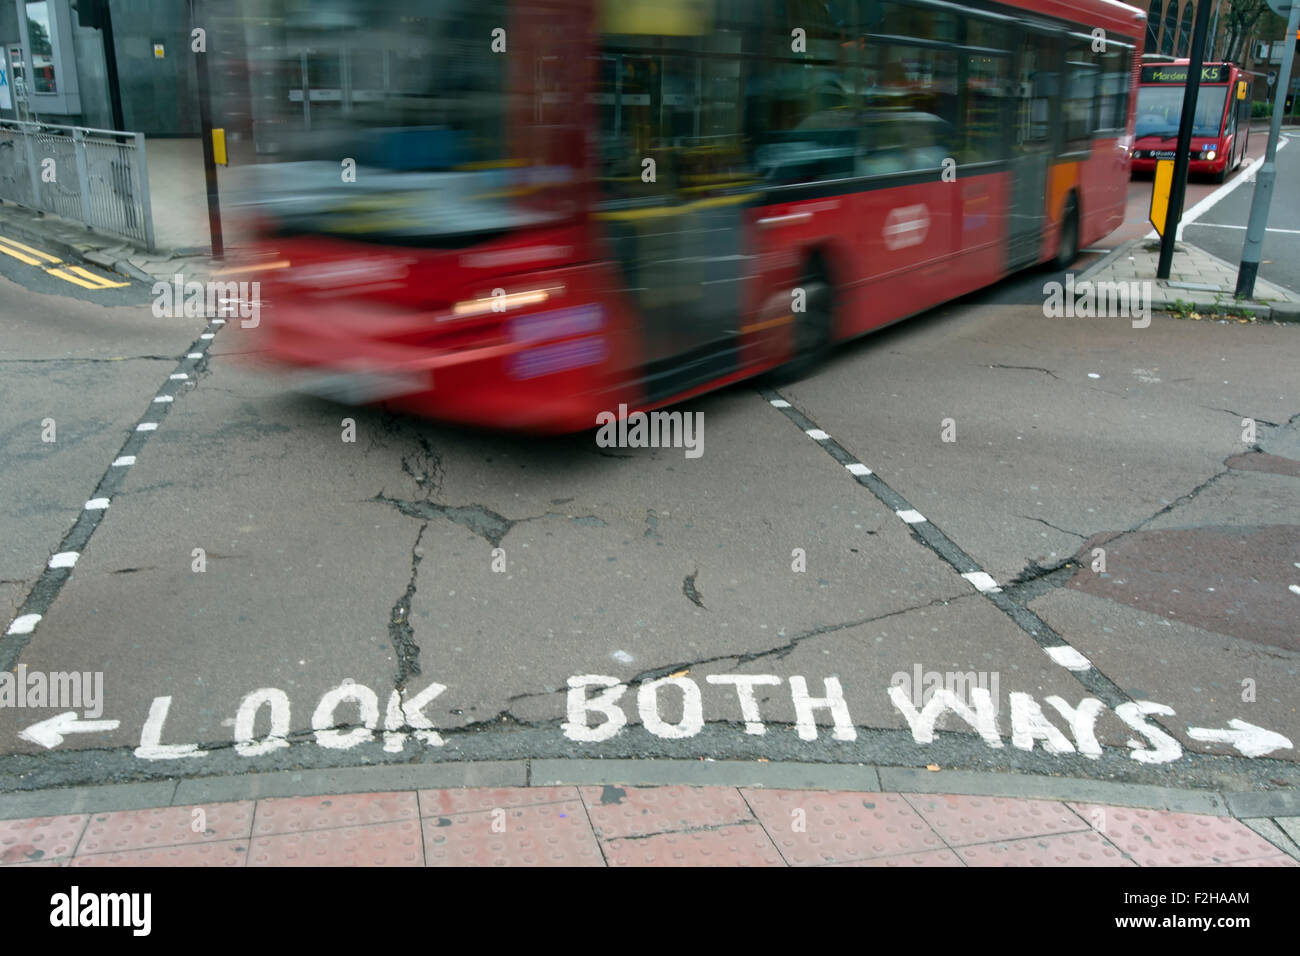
<point x="1209" y="154"/>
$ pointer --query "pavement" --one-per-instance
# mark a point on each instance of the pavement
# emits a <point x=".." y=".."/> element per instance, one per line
<point x="335" y="567"/>
<point x="554" y="824"/>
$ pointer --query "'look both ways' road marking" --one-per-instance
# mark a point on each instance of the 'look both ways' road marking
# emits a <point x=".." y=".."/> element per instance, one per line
<point x="55" y="266"/>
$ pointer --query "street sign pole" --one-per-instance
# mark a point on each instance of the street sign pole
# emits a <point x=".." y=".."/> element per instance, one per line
<point x="209" y="158"/>
<point x="1184" y="148"/>
<point x="1258" y="222"/>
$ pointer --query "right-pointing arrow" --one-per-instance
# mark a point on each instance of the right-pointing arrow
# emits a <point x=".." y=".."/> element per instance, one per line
<point x="1251" y="741"/>
<point x="49" y="733"/>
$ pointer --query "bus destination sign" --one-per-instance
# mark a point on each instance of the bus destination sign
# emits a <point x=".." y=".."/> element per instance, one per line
<point x="1217" y="73"/>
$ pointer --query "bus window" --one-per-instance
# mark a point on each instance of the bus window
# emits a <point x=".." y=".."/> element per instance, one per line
<point x="1081" y="90"/>
<point x="1115" y="79"/>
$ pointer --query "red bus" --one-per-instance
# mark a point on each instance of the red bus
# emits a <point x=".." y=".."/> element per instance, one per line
<point x="1221" y="126"/>
<point x="564" y="206"/>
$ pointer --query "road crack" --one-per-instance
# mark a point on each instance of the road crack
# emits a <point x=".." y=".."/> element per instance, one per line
<point x="400" y="631"/>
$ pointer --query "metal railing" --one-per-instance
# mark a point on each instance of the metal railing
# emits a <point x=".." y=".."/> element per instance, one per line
<point x="98" y="177"/>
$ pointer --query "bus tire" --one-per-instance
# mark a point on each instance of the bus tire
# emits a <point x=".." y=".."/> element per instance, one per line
<point x="1067" y="250"/>
<point x="812" y="327"/>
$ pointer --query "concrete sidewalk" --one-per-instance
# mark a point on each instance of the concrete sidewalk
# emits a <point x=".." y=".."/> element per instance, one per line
<point x="178" y="198"/>
<point x="672" y="825"/>
<point x="1197" y="281"/>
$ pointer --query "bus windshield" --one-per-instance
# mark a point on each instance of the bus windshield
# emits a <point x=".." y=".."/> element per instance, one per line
<point x="1160" y="108"/>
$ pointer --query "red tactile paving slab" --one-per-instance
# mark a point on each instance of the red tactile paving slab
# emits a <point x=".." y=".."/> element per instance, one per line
<point x="39" y="838"/>
<point x="965" y="820"/>
<point x="297" y="814"/>
<point x="555" y="834"/>
<point x="943" y="858"/>
<point x="1280" y="860"/>
<point x="435" y="803"/>
<point x="226" y="853"/>
<point x="1160" y="838"/>
<point x="378" y="844"/>
<point x="634" y="811"/>
<point x="170" y="826"/>
<point x="1063" y="849"/>
<point x="744" y="845"/>
<point x="840" y="826"/>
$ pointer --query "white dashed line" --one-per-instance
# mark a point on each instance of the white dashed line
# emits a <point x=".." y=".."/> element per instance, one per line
<point x="910" y="515"/>
<point x="96" y="504"/>
<point x="161" y="399"/>
<point x="1068" y="657"/>
<point x="780" y="403"/>
<point x="983" y="582"/>
<point x="24" y="625"/>
<point x="1294" y="589"/>
<point x="147" y="427"/>
<point x="218" y="321"/>
<point x="857" y="468"/>
<point x="207" y="335"/>
<point x="816" y="434"/>
<point x="124" y="462"/>
<point x="64" y="559"/>
<point x="195" y="355"/>
<point x="178" y="376"/>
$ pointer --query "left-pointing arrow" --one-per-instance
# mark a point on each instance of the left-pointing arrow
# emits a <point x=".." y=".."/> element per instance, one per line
<point x="49" y="733"/>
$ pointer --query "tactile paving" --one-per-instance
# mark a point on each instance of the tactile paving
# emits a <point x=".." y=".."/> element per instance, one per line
<point x="171" y="826"/>
<point x="298" y="814"/>
<point x="554" y="834"/>
<point x="379" y="844"/>
<point x="964" y="820"/>
<point x="1160" y="838"/>
<point x="635" y="811"/>
<point x="447" y="802"/>
<point x="942" y="858"/>
<point x="1280" y="859"/>
<point x="226" y="853"/>
<point x="743" y="845"/>
<point x="40" y="838"/>
<point x="840" y="826"/>
<point x="1063" y="849"/>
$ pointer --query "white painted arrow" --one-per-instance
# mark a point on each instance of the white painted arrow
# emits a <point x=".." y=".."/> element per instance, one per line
<point x="49" y="733"/>
<point x="1249" y="740"/>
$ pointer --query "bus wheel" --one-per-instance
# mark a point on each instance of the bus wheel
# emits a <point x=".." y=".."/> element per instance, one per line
<point x="1068" y="250"/>
<point x="812" y="326"/>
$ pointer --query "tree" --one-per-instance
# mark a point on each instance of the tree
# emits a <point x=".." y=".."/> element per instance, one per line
<point x="1241" y="16"/>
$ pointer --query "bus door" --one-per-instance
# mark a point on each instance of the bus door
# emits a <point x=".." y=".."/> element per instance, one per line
<point x="1240" y="123"/>
<point x="674" y="228"/>
<point x="1034" y="99"/>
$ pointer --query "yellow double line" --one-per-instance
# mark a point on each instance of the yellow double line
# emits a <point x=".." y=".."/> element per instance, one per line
<point x="55" y="266"/>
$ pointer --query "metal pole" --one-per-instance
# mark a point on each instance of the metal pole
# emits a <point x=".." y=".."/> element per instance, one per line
<point x="209" y="159"/>
<point x="1181" y="152"/>
<point x="110" y="68"/>
<point x="1258" y="222"/>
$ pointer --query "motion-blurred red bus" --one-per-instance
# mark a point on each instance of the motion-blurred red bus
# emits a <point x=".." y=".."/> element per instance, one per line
<point x="1221" y="125"/>
<point x="564" y="206"/>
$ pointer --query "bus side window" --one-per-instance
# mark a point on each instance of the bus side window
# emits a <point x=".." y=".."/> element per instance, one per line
<point x="1113" y="111"/>
<point x="1080" y="95"/>
<point x="987" y="82"/>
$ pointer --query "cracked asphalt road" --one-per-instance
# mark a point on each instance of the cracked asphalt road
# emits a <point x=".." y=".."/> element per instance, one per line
<point x="498" y="567"/>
